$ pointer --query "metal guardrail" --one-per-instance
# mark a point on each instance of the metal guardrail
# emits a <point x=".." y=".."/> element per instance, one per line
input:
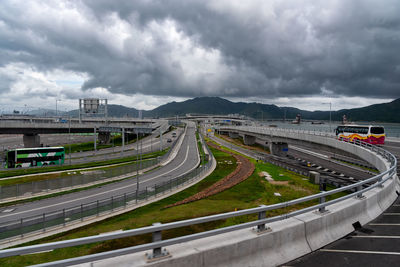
<point x="64" y="217"/>
<point x="156" y="229"/>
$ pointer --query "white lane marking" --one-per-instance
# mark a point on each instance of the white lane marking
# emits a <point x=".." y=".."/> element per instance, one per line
<point x="361" y="251"/>
<point x="377" y="236"/>
<point x="8" y="210"/>
<point x="319" y="155"/>
<point x="396" y="205"/>
<point x="391" y="213"/>
<point x="102" y="193"/>
<point x="384" y="224"/>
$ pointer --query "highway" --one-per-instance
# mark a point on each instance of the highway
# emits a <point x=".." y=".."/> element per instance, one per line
<point x="319" y="161"/>
<point x="374" y="244"/>
<point x="187" y="158"/>
<point x="146" y="145"/>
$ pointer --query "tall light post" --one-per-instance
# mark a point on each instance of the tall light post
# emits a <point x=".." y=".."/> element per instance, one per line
<point x="56" y="106"/>
<point x="69" y="136"/>
<point x="330" y="115"/>
<point x="262" y="115"/>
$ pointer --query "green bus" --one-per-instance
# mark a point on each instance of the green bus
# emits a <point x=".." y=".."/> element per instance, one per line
<point x="31" y="157"/>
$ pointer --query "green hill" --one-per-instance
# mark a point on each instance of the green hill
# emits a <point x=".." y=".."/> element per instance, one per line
<point x="386" y="112"/>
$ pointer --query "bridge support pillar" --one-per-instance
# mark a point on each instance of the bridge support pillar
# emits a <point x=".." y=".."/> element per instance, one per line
<point x="278" y="149"/>
<point x="31" y="140"/>
<point x="104" y="138"/>
<point x="223" y="133"/>
<point x="249" y="140"/>
<point x="233" y="135"/>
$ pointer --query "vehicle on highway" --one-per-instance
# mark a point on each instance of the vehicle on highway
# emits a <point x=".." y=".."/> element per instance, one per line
<point x="169" y="140"/>
<point x="30" y="157"/>
<point x="173" y="134"/>
<point x="370" y="134"/>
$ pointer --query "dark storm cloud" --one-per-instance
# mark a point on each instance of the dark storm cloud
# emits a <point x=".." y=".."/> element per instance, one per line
<point x="221" y="48"/>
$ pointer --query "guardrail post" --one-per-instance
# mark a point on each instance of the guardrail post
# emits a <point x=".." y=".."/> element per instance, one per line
<point x="44" y="222"/>
<point x="157" y="252"/>
<point x="112" y="204"/>
<point x="63" y="217"/>
<point x="322" y="188"/>
<point x="379" y="181"/>
<point x="359" y="195"/>
<point x="261" y="215"/>
<point x="21" y="228"/>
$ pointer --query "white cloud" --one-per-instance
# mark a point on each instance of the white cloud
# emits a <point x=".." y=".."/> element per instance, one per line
<point x="145" y="53"/>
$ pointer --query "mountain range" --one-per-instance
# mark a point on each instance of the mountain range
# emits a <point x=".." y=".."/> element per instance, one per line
<point x="386" y="112"/>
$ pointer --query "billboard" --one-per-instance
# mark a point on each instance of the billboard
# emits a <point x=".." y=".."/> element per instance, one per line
<point x="91" y="105"/>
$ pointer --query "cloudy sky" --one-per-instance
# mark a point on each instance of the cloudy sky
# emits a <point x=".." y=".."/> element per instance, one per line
<point x="143" y="53"/>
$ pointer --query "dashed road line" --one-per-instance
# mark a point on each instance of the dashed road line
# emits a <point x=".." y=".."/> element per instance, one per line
<point x="361" y="252"/>
<point x="377" y="236"/>
<point x="384" y="224"/>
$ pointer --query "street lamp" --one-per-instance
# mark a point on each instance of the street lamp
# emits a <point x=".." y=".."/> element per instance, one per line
<point x="330" y="115"/>
<point x="262" y="115"/>
<point x="56" y="106"/>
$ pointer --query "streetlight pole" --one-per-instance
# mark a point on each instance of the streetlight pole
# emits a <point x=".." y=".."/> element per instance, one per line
<point x="69" y="136"/>
<point x="56" y="106"/>
<point x="330" y="116"/>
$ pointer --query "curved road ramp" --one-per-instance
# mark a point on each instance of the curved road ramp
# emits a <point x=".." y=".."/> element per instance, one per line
<point x="264" y="242"/>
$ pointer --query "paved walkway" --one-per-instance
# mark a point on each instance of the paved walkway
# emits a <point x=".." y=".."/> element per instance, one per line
<point x="374" y="244"/>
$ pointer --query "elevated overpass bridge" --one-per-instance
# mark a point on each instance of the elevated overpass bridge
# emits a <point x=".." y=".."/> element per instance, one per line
<point x="32" y="127"/>
<point x="274" y="240"/>
<point x="278" y="139"/>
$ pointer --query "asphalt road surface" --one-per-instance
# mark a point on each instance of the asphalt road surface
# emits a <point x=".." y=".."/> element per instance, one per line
<point x="324" y="162"/>
<point x="186" y="159"/>
<point x="374" y="244"/>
